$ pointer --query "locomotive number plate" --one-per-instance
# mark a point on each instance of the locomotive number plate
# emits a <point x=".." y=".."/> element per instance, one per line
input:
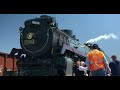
<point x="29" y="42"/>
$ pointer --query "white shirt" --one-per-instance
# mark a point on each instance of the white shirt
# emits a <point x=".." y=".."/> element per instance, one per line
<point x="81" y="68"/>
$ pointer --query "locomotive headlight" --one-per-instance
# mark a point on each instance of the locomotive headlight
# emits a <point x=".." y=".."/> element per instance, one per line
<point x="36" y="22"/>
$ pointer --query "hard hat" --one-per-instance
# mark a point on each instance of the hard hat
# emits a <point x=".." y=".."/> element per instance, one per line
<point x="95" y="46"/>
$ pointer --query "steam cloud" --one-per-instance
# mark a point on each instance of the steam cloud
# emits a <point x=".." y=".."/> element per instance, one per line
<point x="103" y="37"/>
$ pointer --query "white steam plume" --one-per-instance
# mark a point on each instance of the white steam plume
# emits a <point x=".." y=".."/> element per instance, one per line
<point x="104" y="37"/>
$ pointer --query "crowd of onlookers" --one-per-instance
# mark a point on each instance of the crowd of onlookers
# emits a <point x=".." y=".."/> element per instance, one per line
<point x="80" y="68"/>
<point x="97" y="65"/>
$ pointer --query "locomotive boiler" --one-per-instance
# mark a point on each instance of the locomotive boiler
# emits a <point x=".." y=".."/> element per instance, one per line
<point x="41" y="36"/>
<point x="44" y="48"/>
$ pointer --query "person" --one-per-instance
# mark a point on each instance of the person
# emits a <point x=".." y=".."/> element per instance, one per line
<point x="115" y="66"/>
<point x="82" y="67"/>
<point x="97" y="62"/>
<point x="78" y="70"/>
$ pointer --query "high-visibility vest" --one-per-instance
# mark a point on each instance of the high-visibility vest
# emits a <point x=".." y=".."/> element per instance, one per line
<point x="96" y="59"/>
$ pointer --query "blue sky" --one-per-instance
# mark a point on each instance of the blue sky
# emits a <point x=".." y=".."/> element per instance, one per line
<point x="84" y="26"/>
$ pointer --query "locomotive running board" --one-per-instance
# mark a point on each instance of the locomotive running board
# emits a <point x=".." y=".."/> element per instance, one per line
<point x="66" y="47"/>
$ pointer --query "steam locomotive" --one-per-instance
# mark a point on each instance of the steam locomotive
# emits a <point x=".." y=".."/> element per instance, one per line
<point x="45" y="48"/>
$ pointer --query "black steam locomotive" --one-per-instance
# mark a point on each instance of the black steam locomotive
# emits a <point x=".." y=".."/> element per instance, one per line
<point x="47" y="50"/>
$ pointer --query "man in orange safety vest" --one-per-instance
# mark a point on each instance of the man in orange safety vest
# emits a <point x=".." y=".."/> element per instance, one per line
<point x="97" y="62"/>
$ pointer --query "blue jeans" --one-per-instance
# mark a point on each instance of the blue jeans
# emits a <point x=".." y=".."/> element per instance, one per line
<point x="99" y="73"/>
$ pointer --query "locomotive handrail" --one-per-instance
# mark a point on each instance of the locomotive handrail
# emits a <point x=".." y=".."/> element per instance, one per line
<point x="66" y="47"/>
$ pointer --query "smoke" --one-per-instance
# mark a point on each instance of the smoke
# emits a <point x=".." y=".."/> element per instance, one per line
<point x="103" y="37"/>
